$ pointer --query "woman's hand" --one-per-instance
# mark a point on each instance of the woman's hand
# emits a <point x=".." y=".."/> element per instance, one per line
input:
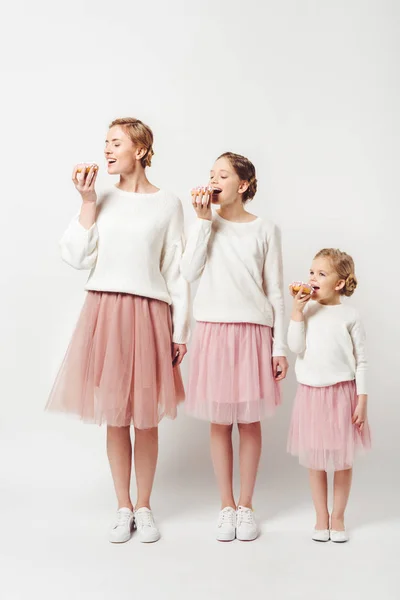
<point x="178" y="352"/>
<point x="201" y="200"/>
<point x="280" y="367"/>
<point x="84" y="179"/>
<point x="360" y="412"/>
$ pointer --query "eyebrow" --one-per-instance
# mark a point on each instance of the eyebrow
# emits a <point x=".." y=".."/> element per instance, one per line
<point x="222" y="171"/>
<point x="114" y="140"/>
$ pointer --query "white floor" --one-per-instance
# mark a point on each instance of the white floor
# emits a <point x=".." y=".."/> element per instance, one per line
<point x="54" y="519"/>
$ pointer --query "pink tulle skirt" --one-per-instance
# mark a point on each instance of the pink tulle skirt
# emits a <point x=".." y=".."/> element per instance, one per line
<point x="321" y="432"/>
<point x="231" y="378"/>
<point x="118" y="367"/>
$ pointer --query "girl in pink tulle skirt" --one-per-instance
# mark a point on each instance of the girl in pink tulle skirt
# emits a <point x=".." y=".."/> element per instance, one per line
<point x="238" y="351"/>
<point x="122" y="365"/>
<point x="329" y="420"/>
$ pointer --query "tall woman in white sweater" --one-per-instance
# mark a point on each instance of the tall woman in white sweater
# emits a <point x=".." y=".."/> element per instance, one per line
<point x="329" y="421"/>
<point x="122" y="365"/>
<point x="238" y="350"/>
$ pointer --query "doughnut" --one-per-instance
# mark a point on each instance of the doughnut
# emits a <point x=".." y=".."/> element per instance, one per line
<point x="307" y="288"/>
<point x="87" y="169"/>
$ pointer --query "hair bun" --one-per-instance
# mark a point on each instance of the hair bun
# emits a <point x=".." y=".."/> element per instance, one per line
<point x="350" y="285"/>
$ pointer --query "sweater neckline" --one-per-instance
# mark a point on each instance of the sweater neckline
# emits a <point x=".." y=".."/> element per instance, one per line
<point x="136" y="194"/>
<point x="240" y="223"/>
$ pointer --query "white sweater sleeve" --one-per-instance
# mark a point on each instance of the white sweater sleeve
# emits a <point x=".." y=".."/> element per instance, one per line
<point x="195" y="255"/>
<point x="297" y="336"/>
<point x="357" y="334"/>
<point x="273" y="287"/>
<point x="79" y="245"/>
<point x="177" y="287"/>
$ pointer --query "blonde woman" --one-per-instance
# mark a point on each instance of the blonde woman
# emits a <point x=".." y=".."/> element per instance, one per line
<point x="122" y="365"/>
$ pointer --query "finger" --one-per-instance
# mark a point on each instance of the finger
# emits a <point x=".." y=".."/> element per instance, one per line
<point x="91" y="176"/>
<point x="75" y="171"/>
<point x="299" y="293"/>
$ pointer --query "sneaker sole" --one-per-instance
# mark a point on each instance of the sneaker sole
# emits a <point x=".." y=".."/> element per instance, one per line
<point x="241" y="539"/>
<point x="150" y="540"/>
<point x="225" y="539"/>
<point x="123" y="541"/>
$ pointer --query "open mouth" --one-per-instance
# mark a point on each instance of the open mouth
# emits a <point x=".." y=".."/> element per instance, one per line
<point x="111" y="161"/>
<point x="215" y="194"/>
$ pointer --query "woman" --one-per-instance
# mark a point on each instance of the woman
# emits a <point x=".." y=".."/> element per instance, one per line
<point x="122" y="365"/>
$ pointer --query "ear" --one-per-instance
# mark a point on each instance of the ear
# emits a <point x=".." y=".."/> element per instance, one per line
<point x="340" y="285"/>
<point x="140" y="152"/>
<point x="244" y="185"/>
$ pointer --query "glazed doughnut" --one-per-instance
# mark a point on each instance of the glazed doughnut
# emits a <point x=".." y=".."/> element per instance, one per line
<point x="307" y="288"/>
<point x="87" y="169"/>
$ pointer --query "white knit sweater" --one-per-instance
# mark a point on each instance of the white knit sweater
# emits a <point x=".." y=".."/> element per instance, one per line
<point x="134" y="247"/>
<point x="330" y="346"/>
<point x="240" y="270"/>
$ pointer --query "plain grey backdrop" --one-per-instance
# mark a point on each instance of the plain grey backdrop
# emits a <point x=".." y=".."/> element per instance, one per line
<point x="309" y="91"/>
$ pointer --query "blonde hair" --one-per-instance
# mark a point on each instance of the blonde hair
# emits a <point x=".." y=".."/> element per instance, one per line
<point x="344" y="267"/>
<point x="245" y="170"/>
<point x="140" y="134"/>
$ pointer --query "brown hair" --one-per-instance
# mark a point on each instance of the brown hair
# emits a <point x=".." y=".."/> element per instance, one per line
<point x="344" y="267"/>
<point x="140" y="134"/>
<point x="245" y="170"/>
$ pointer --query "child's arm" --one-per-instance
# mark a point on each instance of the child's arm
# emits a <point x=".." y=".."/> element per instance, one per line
<point x="357" y="334"/>
<point x="273" y="288"/>
<point x="297" y="330"/>
<point x="195" y="255"/>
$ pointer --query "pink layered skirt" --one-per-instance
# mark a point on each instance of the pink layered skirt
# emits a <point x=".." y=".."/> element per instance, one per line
<point x="231" y="378"/>
<point x="118" y="367"/>
<point x="321" y="432"/>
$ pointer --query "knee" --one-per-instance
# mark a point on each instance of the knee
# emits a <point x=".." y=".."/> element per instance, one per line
<point x="150" y="433"/>
<point x="218" y="429"/>
<point x="249" y="428"/>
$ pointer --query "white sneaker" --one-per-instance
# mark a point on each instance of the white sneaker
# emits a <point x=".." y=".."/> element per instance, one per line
<point x="226" y="528"/>
<point x="146" y="526"/>
<point x="246" y="527"/>
<point x="321" y="535"/>
<point x="122" y="530"/>
<point x="339" y="537"/>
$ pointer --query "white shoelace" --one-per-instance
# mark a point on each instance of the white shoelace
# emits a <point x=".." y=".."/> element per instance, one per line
<point x="245" y="515"/>
<point x="123" y="518"/>
<point x="227" y="517"/>
<point x="145" y="519"/>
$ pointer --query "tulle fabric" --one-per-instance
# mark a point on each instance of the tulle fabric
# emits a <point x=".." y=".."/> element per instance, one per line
<point x="231" y="378"/>
<point x="321" y="432"/>
<point x="118" y="368"/>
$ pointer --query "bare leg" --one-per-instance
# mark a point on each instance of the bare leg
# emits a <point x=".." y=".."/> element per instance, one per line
<point x="222" y="457"/>
<point x="319" y="492"/>
<point x="119" y="451"/>
<point x="341" y="492"/>
<point x="146" y="453"/>
<point x="249" y="459"/>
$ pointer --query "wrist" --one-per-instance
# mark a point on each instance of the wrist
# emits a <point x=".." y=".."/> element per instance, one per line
<point x="297" y="315"/>
<point x="89" y="198"/>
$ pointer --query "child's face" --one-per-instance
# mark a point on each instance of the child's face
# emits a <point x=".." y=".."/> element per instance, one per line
<point x="324" y="280"/>
<point x="224" y="177"/>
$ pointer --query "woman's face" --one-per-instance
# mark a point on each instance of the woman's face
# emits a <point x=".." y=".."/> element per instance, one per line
<point x="224" y="177"/>
<point x="122" y="155"/>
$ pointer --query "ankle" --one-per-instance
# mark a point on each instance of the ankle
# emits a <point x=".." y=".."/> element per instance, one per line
<point x="322" y="521"/>
<point x="230" y="503"/>
<point x="337" y="522"/>
<point x="246" y="504"/>
<point x="125" y="505"/>
<point x="142" y="505"/>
